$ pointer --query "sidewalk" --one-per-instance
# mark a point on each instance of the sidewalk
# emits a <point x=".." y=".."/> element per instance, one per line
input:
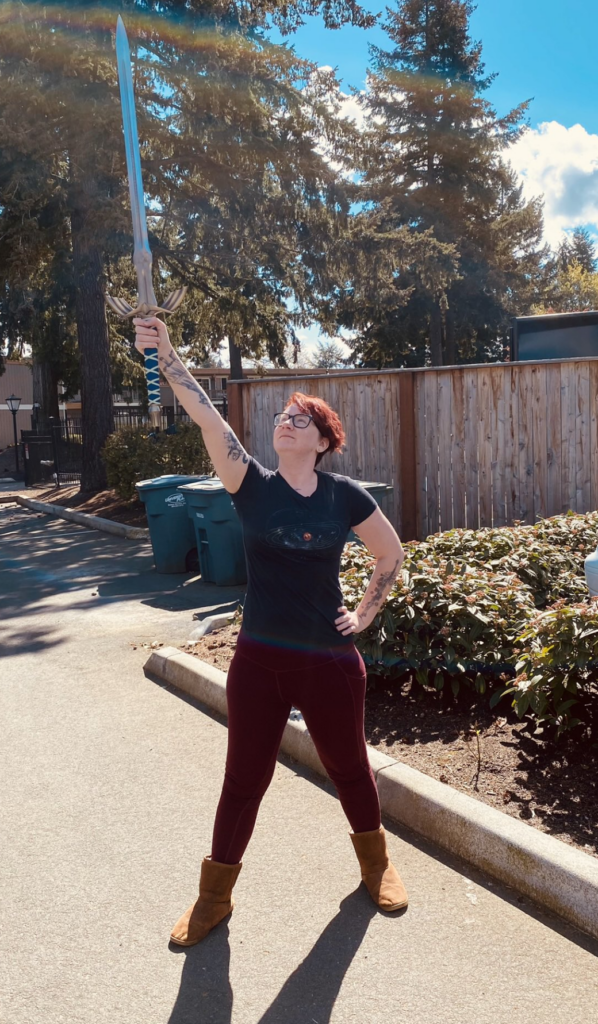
<point x="10" y="485"/>
<point x="110" y="786"/>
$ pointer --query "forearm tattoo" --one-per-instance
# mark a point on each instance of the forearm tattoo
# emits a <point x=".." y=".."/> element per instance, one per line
<point x="378" y="589"/>
<point x="235" y="448"/>
<point x="175" y="373"/>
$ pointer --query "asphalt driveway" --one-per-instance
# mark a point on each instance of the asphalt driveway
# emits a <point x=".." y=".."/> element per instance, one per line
<point x="110" y="782"/>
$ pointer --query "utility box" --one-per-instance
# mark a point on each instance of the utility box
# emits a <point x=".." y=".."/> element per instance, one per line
<point x="591" y="572"/>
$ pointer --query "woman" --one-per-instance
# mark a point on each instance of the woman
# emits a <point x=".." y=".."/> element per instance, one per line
<point x="295" y="646"/>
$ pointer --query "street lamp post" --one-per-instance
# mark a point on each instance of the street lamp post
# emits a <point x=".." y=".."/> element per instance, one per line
<point x="13" y="404"/>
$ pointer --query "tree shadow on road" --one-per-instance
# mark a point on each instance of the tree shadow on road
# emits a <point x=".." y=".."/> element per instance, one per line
<point x="28" y="641"/>
<point x="309" y="993"/>
<point x="41" y="557"/>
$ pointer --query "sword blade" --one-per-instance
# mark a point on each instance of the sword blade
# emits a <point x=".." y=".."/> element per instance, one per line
<point x="142" y="256"/>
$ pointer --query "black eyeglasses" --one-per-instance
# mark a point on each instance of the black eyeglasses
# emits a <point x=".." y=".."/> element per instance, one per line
<point x="300" y="419"/>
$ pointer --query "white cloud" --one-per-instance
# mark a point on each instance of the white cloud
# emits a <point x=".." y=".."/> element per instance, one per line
<point x="351" y="109"/>
<point x="562" y="165"/>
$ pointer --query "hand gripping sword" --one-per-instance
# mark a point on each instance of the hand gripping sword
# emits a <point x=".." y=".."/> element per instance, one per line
<point x="142" y="256"/>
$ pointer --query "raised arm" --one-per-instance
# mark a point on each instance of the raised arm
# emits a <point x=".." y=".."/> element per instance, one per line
<point x="229" y="458"/>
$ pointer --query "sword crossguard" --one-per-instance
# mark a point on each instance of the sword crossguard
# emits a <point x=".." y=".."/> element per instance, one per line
<point x="126" y="311"/>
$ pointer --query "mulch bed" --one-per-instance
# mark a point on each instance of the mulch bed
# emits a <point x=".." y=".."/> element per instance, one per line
<point x="106" y="504"/>
<point x="508" y="764"/>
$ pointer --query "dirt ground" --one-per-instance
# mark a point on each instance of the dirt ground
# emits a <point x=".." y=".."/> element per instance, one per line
<point x="507" y="764"/>
<point x="105" y="503"/>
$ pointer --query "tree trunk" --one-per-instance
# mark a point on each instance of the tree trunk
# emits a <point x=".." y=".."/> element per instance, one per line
<point x="236" y="366"/>
<point x="45" y="389"/>
<point x="436" y="336"/>
<point x="97" y="420"/>
<point x="450" y="349"/>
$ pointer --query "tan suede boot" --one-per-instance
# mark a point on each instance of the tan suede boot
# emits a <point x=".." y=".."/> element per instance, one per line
<point x="215" y="902"/>
<point x="382" y="879"/>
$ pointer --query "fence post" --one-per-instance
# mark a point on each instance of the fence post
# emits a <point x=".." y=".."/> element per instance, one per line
<point x="53" y="428"/>
<point x="406" y="457"/>
<point x="235" y="411"/>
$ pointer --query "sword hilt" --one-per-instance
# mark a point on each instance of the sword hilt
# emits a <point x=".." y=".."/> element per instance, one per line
<point x="152" y="376"/>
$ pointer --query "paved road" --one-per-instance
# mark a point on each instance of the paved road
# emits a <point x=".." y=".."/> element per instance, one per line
<point x="109" y="787"/>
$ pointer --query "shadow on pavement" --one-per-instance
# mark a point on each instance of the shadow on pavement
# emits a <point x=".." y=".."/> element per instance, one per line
<point x="309" y="994"/>
<point x="41" y="557"/>
<point x="28" y="641"/>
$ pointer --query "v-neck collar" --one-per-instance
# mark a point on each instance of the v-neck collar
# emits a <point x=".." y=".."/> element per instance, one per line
<point x="306" y="497"/>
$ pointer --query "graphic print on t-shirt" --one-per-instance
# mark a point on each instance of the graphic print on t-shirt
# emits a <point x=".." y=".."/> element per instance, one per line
<point x="294" y="529"/>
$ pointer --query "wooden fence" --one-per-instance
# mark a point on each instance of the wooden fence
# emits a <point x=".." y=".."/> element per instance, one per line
<point x="463" y="446"/>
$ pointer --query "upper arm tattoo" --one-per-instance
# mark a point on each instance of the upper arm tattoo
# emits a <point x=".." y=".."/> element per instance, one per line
<point x="235" y="448"/>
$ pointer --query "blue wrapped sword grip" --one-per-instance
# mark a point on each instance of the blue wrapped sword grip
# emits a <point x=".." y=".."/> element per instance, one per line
<point x="152" y="375"/>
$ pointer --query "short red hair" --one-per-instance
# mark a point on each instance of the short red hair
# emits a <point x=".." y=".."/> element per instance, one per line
<point x="325" y="419"/>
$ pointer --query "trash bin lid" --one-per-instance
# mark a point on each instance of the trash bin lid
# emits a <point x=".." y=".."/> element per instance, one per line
<point x="209" y="483"/>
<point x="170" y="481"/>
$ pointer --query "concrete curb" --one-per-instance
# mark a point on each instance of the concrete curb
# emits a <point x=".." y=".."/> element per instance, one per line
<point x="551" y="873"/>
<point x="84" y="519"/>
<point x="209" y="624"/>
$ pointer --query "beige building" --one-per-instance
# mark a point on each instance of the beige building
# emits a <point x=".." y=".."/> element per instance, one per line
<point x="16" y="380"/>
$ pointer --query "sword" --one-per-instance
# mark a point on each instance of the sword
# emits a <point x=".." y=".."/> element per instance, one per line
<point x="142" y="257"/>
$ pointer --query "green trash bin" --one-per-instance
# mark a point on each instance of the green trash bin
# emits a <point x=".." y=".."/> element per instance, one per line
<point x="379" y="492"/>
<point x="218" y="532"/>
<point x="171" y="532"/>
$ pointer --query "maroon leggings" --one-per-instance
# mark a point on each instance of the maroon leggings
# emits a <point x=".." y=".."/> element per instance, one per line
<point x="263" y="684"/>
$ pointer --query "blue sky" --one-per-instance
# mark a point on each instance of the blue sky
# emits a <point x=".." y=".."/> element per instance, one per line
<point x="544" y="49"/>
<point x="541" y="50"/>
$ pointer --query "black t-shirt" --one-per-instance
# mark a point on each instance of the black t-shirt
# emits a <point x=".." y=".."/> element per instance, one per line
<point x="293" y="547"/>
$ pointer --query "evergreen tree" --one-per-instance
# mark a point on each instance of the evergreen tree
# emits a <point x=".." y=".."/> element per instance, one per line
<point x="571" y="280"/>
<point x="328" y="355"/>
<point x="435" y="163"/>
<point x="246" y="209"/>
<point x="573" y="290"/>
<point x="563" y="256"/>
<point x="583" y="250"/>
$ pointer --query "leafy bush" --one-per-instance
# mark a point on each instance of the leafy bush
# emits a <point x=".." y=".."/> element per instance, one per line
<point x="139" y="454"/>
<point x="442" y="621"/>
<point x="548" y="557"/>
<point x="558" y="666"/>
<point x="467" y="607"/>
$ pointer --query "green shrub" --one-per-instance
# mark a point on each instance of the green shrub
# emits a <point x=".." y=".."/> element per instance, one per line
<point x="558" y="666"/>
<point x="443" y="621"/>
<point x="138" y="454"/>
<point x="468" y="604"/>
<point x="548" y="557"/>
